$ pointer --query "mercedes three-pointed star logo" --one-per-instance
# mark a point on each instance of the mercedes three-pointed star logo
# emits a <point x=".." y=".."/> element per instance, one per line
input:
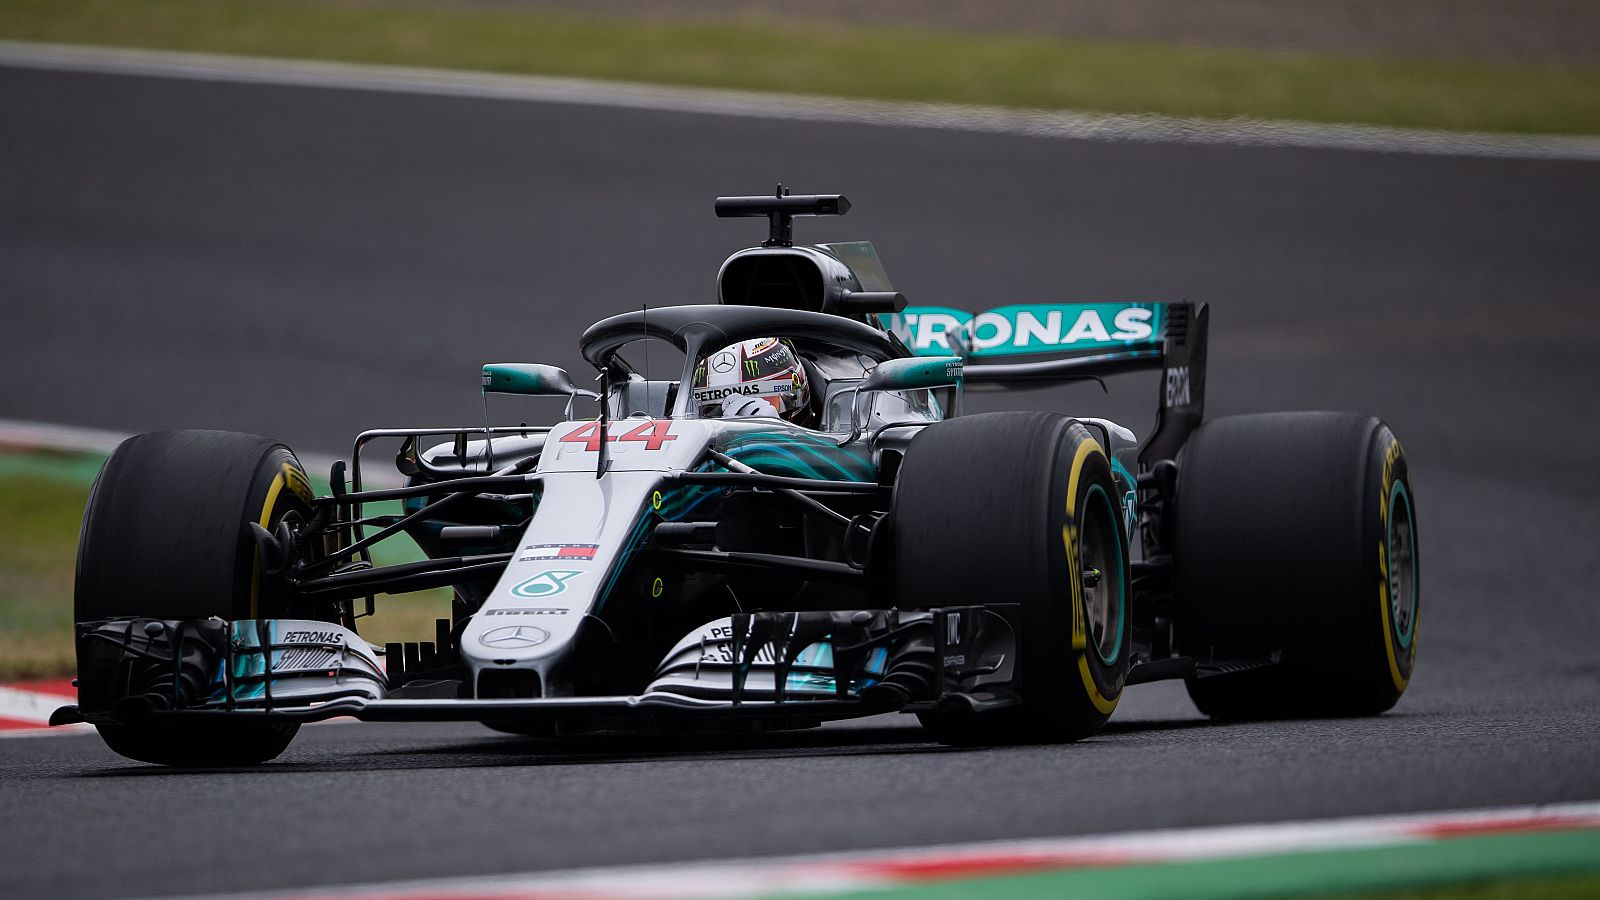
<point x="514" y="637"/>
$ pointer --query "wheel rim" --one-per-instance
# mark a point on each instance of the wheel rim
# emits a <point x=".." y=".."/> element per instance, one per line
<point x="1402" y="546"/>
<point x="1104" y="594"/>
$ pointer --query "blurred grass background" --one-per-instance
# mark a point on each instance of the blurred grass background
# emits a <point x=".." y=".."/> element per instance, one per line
<point x="1579" y="886"/>
<point x="41" y="510"/>
<point x="884" y="61"/>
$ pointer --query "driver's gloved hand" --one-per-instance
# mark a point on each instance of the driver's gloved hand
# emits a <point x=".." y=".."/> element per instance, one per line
<point x="737" y="406"/>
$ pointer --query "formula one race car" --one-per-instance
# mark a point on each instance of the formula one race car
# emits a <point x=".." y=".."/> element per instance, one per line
<point x="800" y="527"/>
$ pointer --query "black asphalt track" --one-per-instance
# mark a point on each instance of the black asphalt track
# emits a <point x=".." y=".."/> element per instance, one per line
<point x="309" y="262"/>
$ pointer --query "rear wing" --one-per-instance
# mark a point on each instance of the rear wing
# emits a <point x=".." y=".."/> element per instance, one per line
<point x="1051" y="343"/>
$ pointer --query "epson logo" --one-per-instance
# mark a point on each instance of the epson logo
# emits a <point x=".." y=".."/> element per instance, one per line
<point x="1178" y="386"/>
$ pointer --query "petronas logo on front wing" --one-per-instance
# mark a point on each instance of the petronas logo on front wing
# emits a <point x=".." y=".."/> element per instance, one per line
<point x="545" y="584"/>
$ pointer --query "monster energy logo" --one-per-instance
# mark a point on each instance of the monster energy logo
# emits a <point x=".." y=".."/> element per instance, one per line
<point x="751" y="367"/>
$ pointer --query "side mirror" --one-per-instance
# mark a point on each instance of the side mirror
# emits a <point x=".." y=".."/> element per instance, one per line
<point x="914" y="374"/>
<point x="917" y="373"/>
<point x="530" y="380"/>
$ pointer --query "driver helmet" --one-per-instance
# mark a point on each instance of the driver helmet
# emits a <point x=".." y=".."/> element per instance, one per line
<point x="760" y="377"/>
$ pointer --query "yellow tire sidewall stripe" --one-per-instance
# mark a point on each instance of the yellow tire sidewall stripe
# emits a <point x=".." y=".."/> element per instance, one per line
<point x="266" y="518"/>
<point x="1069" y="538"/>
<point x="1400" y="680"/>
<point x="1391" y="454"/>
<point x="1092" y="690"/>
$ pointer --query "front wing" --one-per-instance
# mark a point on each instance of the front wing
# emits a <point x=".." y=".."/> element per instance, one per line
<point x="748" y="671"/>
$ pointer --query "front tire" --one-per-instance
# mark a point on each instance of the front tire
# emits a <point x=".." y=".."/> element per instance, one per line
<point x="165" y="537"/>
<point x="1021" y="508"/>
<point x="1296" y="536"/>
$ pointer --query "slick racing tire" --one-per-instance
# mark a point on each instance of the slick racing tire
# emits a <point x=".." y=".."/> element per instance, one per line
<point x="1296" y="540"/>
<point x="165" y="537"/>
<point x="1020" y="508"/>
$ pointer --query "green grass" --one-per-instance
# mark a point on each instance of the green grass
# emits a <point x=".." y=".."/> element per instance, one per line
<point x="41" y="511"/>
<point x="39" y="517"/>
<point x="1571" y="887"/>
<point x="1543" y="864"/>
<point x="887" y="63"/>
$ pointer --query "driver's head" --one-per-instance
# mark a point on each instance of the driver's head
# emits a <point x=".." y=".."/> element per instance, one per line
<point x="761" y="377"/>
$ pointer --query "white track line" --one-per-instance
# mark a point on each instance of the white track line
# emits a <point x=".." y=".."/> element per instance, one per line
<point x="63" y="438"/>
<point x="866" y="870"/>
<point x="27" y="436"/>
<point x="29" y="706"/>
<point x="995" y="120"/>
<point x="21" y="705"/>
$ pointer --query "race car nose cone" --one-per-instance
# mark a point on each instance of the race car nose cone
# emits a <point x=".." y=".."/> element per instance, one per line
<point x="514" y="637"/>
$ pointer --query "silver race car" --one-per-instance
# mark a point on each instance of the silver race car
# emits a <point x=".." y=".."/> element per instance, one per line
<point x="801" y="526"/>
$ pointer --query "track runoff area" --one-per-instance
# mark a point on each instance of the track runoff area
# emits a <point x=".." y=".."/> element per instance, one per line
<point x="1263" y="860"/>
<point x="1276" y="860"/>
<point x="25" y="708"/>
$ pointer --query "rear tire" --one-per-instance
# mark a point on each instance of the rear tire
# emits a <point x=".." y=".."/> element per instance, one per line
<point x="1296" y="535"/>
<point x="1012" y="508"/>
<point x="165" y="537"/>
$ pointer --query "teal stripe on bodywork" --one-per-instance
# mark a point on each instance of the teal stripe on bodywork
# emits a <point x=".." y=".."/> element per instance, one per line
<point x="772" y="453"/>
<point x="798" y="454"/>
<point x="679" y="502"/>
<point x="1130" y="496"/>
<point x="630" y="546"/>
